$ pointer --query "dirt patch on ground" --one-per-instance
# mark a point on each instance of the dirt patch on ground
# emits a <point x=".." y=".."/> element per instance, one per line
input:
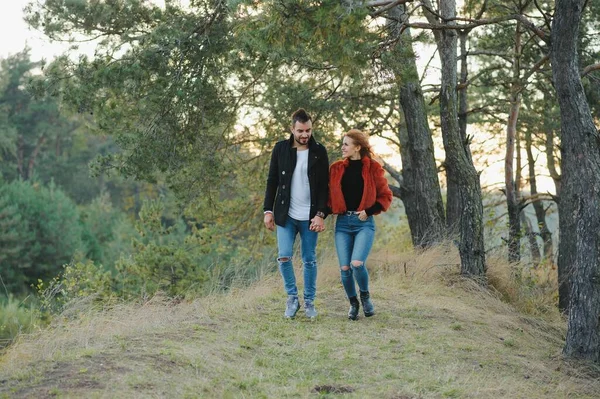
<point x="85" y="373"/>
<point x="325" y="389"/>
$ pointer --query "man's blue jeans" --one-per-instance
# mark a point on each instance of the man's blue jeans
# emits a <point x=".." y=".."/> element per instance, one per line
<point x="285" y="242"/>
<point x="353" y="242"/>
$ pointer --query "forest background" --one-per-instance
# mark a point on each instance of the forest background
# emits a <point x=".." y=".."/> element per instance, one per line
<point x="138" y="167"/>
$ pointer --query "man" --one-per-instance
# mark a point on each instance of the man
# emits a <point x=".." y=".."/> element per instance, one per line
<point x="296" y="203"/>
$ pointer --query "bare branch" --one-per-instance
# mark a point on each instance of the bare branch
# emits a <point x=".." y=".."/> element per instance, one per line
<point x="427" y="65"/>
<point x="393" y="172"/>
<point x="482" y="10"/>
<point x="536" y="68"/>
<point x="383" y="3"/>
<point x="432" y="17"/>
<point x="396" y="192"/>
<point x="530" y="199"/>
<point x="531" y="26"/>
<point x="431" y="14"/>
<point x="474" y="23"/>
<point x="590" y="68"/>
<point x="387" y="7"/>
<point x="504" y="56"/>
<point x="547" y="19"/>
<point x="476" y="76"/>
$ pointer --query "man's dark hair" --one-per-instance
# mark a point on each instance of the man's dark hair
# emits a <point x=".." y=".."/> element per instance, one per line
<point x="300" y="115"/>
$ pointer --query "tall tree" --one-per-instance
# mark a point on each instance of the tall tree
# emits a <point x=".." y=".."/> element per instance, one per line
<point x="29" y="120"/>
<point x="587" y="48"/>
<point x="514" y="225"/>
<point x="420" y="191"/>
<point x="460" y="171"/>
<point x="159" y="82"/>
<point x="580" y="194"/>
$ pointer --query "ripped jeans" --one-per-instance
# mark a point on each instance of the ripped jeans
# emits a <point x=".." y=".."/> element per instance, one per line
<point x="308" y="246"/>
<point x="353" y="242"/>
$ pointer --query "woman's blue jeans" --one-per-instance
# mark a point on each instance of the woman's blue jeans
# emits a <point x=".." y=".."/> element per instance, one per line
<point x="308" y="246"/>
<point x="353" y="242"/>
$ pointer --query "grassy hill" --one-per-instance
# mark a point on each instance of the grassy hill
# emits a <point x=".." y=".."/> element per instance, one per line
<point x="435" y="335"/>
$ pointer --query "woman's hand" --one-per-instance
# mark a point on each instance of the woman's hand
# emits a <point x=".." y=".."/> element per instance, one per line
<point x="363" y="216"/>
<point x="317" y="224"/>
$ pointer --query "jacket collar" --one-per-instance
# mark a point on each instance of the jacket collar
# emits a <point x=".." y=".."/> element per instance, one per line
<point x="364" y="160"/>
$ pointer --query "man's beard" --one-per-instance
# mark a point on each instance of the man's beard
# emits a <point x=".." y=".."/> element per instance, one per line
<point x="300" y="142"/>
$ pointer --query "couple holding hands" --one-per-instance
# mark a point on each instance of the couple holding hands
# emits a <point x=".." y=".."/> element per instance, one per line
<point x="302" y="190"/>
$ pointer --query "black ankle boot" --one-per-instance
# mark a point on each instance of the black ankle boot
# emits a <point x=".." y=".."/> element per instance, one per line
<point x="354" y="306"/>
<point x="368" y="307"/>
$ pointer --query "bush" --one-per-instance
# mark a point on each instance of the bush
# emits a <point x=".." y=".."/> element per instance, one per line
<point x="39" y="233"/>
<point x="80" y="279"/>
<point x="164" y="258"/>
<point x="16" y="318"/>
<point x="163" y="255"/>
<point x="107" y="232"/>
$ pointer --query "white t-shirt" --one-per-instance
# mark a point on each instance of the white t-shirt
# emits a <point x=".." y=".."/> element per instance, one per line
<point x="300" y="194"/>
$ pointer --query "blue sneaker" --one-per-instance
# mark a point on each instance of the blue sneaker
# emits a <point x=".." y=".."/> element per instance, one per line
<point x="309" y="309"/>
<point x="291" y="306"/>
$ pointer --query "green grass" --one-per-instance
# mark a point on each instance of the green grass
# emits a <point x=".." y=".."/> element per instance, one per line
<point x="434" y="336"/>
<point x="17" y="317"/>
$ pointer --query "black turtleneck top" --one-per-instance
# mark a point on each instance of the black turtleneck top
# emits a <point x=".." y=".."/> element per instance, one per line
<point x="353" y="186"/>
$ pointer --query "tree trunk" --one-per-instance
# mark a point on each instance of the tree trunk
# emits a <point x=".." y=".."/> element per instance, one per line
<point x="579" y="204"/>
<point x="532" y="239"/>
<point x="538" y="206"/>
<point x="57" y="146"/>
<point x="34" y="154"/>
<point x="534" y="248"/>
<point x="514" y="221"/>
<point x="565" y="224"/>
<point x="551" y="161"/>
<point x="514" y="224"/>
<point x="462" y="91"/>
<point x="422" y="198"/>
<point x="453" y="204"/>
<point x="460" y="169"/>
<point x="20" y="157"/>
<point x="421" y="193"/>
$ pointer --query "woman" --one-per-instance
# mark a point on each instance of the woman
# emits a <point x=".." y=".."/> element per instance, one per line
<point x="357" y="191"/>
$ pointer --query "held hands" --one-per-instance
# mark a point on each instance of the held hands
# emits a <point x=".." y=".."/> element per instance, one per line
<point x="317" y="224"/>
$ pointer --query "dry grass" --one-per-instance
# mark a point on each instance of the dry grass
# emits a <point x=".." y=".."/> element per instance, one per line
<point x="435" y="335"/>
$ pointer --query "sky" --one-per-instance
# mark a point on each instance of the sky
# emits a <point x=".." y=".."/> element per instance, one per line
<point x="15" y="34"/>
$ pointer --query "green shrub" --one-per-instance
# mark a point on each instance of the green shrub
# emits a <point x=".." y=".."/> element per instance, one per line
<point x="107" y="232"/>
<point x="15" y="318"/>
<point x="79" y="279"/>
<point x="39" y="233"/>
<point x="164" y="258"/>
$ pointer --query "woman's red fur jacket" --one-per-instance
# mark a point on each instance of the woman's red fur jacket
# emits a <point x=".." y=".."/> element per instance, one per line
<point x="376" y="187"/>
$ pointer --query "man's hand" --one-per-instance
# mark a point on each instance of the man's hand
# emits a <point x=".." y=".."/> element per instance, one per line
<point x="269" y="221"/>
<point x="317" y="224"/>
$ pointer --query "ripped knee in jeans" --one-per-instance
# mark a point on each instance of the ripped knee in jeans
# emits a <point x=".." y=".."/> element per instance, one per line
<point x="357" y="263"/>
<point x="284" y="259"/>
<point x="310" y="265"/>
